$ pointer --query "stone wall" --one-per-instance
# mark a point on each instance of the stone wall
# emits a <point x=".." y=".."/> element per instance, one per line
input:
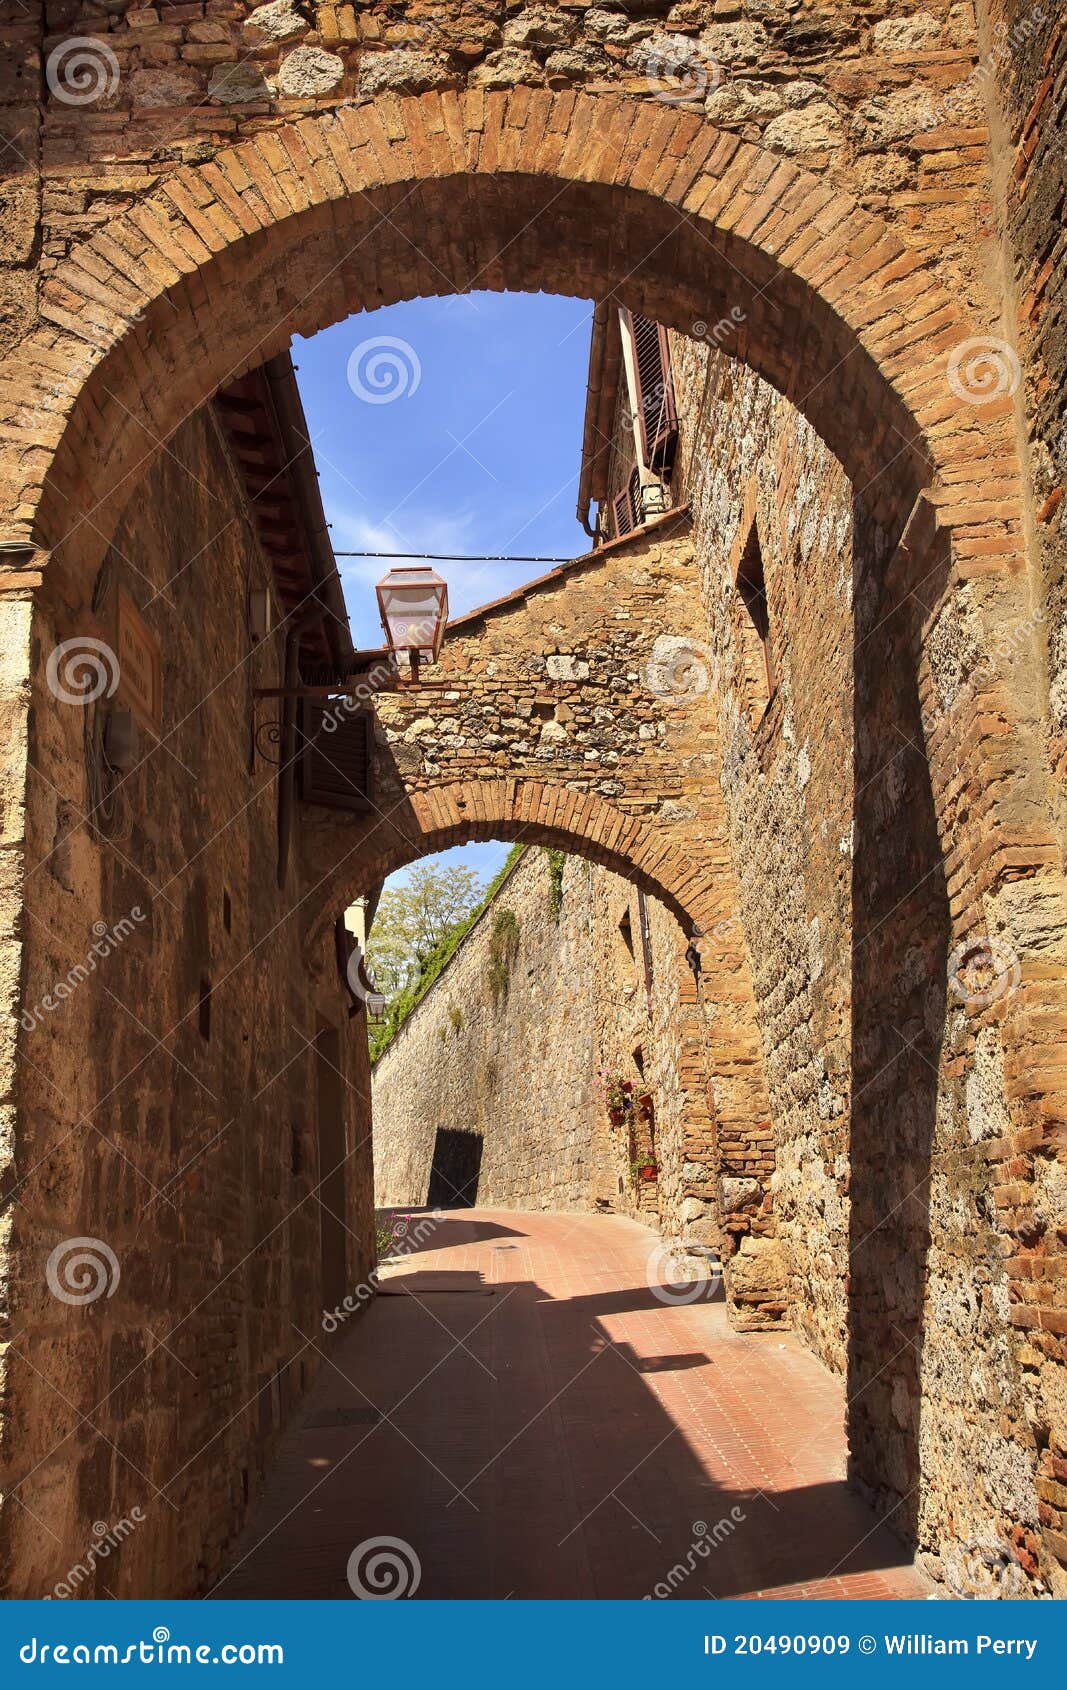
<point x="875" y="1086"/>
<point x="170" y="1102"/>
<point x="523" y="1066"/>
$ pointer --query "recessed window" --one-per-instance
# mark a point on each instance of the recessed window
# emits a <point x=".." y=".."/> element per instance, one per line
<point x="752" y="591"/>
<point x="227" y="912"/>
<point x="204" y="1009"/>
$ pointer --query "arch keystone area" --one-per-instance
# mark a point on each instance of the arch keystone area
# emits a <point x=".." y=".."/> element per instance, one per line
<point x="221" y="263"/>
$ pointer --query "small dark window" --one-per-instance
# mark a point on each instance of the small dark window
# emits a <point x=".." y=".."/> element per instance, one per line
<point x="626" y="929"/>
<point x="227" y="912"/>
<point x="296" y="1150"/>
<point x="204" y="1011"/>
<point x="752" y="587"/>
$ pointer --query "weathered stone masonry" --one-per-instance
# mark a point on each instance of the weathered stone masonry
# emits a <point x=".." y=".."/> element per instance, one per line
<point x="521" y="1068"/>
<point x="838" y="188"/>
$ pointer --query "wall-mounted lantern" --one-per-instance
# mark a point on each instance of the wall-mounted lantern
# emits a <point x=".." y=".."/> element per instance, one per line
<point x="413" y="602"/>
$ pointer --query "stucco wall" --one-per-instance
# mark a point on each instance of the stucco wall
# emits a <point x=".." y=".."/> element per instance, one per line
<point x="180" y="1138"/>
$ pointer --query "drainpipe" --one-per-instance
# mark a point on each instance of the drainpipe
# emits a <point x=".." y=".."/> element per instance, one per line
<point x="296" y="627"/>
<point x="592" y="444"/>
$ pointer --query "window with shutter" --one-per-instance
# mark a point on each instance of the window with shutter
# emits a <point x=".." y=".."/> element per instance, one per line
<point x="626" y="506"/>
<point x="335" y="766"/>
<point x="656" y="414"/>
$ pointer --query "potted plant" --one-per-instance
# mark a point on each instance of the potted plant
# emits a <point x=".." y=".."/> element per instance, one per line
<point x="645" y="1106"/>
<point x="618" y="1095"/>
<point x="644" y="1167"/>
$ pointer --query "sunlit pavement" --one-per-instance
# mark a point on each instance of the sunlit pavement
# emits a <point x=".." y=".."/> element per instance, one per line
<point x="525" y="1415"/>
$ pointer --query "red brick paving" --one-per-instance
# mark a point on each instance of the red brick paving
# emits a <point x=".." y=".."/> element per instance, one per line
<point x="549" y="1428"/>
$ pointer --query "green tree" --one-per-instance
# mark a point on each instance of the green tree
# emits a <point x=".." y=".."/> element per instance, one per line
<point x="413" y="918"/>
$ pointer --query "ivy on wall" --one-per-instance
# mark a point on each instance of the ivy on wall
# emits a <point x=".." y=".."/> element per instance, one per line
<point x="436" y="962"/>
<point x="557" y="861"/>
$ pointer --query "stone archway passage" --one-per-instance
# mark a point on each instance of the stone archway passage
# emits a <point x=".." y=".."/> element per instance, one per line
<point x="215" y="268"/>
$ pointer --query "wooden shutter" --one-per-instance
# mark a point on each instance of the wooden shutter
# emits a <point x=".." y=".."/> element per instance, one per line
<point x="626" y="506"/>
<point x="335" y="767"/>
<point x="656" y="413"/>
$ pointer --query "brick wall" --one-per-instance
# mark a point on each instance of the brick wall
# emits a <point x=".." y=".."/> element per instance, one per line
<point x="177" y="1131"/>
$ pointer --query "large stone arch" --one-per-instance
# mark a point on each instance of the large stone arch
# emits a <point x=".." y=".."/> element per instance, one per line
<point x="717" y="1025"/>
<point x="216" y="267"/>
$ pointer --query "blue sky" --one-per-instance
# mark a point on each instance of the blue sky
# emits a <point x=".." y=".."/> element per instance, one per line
<point x="469" y="442"/>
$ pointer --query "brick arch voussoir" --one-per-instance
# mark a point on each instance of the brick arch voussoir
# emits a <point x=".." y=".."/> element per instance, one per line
<point x="868" y="306"/>
<point x="527" y="812"/>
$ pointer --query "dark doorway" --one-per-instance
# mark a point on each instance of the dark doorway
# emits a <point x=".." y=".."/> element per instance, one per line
<point x="457" y="1163"/>
<point x="331" y="1187"/>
